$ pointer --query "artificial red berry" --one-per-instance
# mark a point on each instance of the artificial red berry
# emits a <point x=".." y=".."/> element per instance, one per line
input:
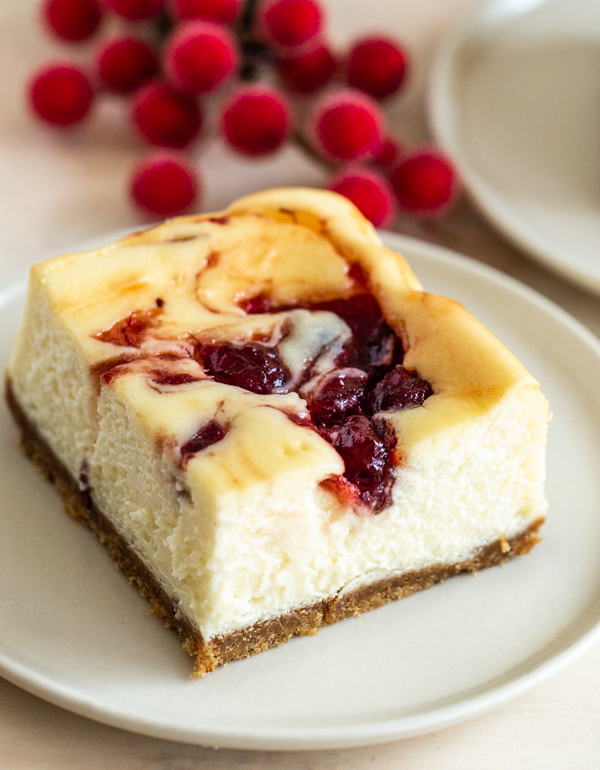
<point x="201" y="56"/>
<point x="165" y="117"/>
<point x="388" y="153"/>
<point x="369" y="191"/>
<point x="218" y="11"/>
<point x="307" y="72"/>
<point x="134" y="10"/>
<point x="61" y="94"/>
<point x="72" y="20"/>
<point x="256" y="120"/>
<point x="290" y="23"/>
<point x="124" y="63"/>
<point x="377" y="65"/>
<point x="164" y="185"/>
<point x="425" y="183"/>
<point x="346" y="125"/>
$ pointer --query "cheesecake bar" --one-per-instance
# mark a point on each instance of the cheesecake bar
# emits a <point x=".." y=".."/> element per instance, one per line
<point x="270" y="424"/>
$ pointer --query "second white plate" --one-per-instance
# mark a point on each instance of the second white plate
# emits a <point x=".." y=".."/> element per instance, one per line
<point x="74" y="632"/>
<point x="515" y="102"/>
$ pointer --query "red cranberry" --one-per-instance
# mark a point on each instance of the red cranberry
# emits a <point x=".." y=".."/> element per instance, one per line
<point x="366" y="449"/>
<point x="361" y="448"/>
<point x="368" y="190"/>
<point x="374" y="343"/>
<point x="256" y="119"/>
<point x="125" y="63"/>
<point x="253" y="367"/>
<point x="307" y="72"/>
<point x="165" y="117"/>
<point x="290" y="23"/>
<point x="73" y="20"/>
<point x="399" y="389"/>
<point x="61" y="94"/>
<point x="164" y="184"/>
<point x="339" y="394"/>
<point x="425" y="183"/>
<point x="208" y="435"/>
<point x="377" y="65"/>
<point x="346" y="125"/>
<point x="388" y="153"/>
<point x="200" y="57"/>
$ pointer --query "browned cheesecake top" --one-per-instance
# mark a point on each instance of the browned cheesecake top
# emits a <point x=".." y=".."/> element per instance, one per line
<point x="162" y="316"/>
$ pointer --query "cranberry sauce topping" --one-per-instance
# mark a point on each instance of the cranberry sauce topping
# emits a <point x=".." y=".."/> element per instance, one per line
<point x="252" y="366"/>
<point x="344" y="392"/>
<point x="374" y="345"/>
<point x="398" y="389"/>
<point x="367" y="449"/>
<point x="130" y="332"/>
<point x="367" y="378"/>
<point x="339" y="394"/>
<point x="208" y="435"/>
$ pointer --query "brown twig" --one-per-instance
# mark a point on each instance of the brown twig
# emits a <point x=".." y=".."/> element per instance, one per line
<point x="253" y="50"/>
<point x="302" y="142"/>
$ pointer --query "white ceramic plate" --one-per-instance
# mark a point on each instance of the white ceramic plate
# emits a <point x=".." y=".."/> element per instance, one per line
<point x="515" y="101"/>
<point x="75" y="633"/>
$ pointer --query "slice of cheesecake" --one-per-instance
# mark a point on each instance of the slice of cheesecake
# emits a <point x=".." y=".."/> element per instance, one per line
<point x="270" y="424"/>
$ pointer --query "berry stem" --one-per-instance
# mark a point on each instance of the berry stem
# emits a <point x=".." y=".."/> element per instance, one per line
<point x="253" y="50"/>
<point x="163" y="24"/>
<point x="248" y="15"/>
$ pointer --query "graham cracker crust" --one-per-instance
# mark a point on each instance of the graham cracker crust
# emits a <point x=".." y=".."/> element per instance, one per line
<point x="261" y="636"/>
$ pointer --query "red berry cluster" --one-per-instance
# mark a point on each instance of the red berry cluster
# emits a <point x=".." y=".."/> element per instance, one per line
<point x="264" y="63"/>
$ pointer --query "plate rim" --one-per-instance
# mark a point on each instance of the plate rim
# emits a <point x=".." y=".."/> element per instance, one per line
<point x="441" y="108"/>
<point x="349" y="735"/>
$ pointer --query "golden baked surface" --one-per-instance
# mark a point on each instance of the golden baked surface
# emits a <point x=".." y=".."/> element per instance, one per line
<point x="294" y="246"/>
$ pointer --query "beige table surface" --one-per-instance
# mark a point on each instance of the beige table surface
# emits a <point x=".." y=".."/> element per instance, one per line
<point x="56" y="191"/>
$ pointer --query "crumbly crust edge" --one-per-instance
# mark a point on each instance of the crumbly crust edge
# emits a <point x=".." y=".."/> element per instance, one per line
<point x="208" y="654"/>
